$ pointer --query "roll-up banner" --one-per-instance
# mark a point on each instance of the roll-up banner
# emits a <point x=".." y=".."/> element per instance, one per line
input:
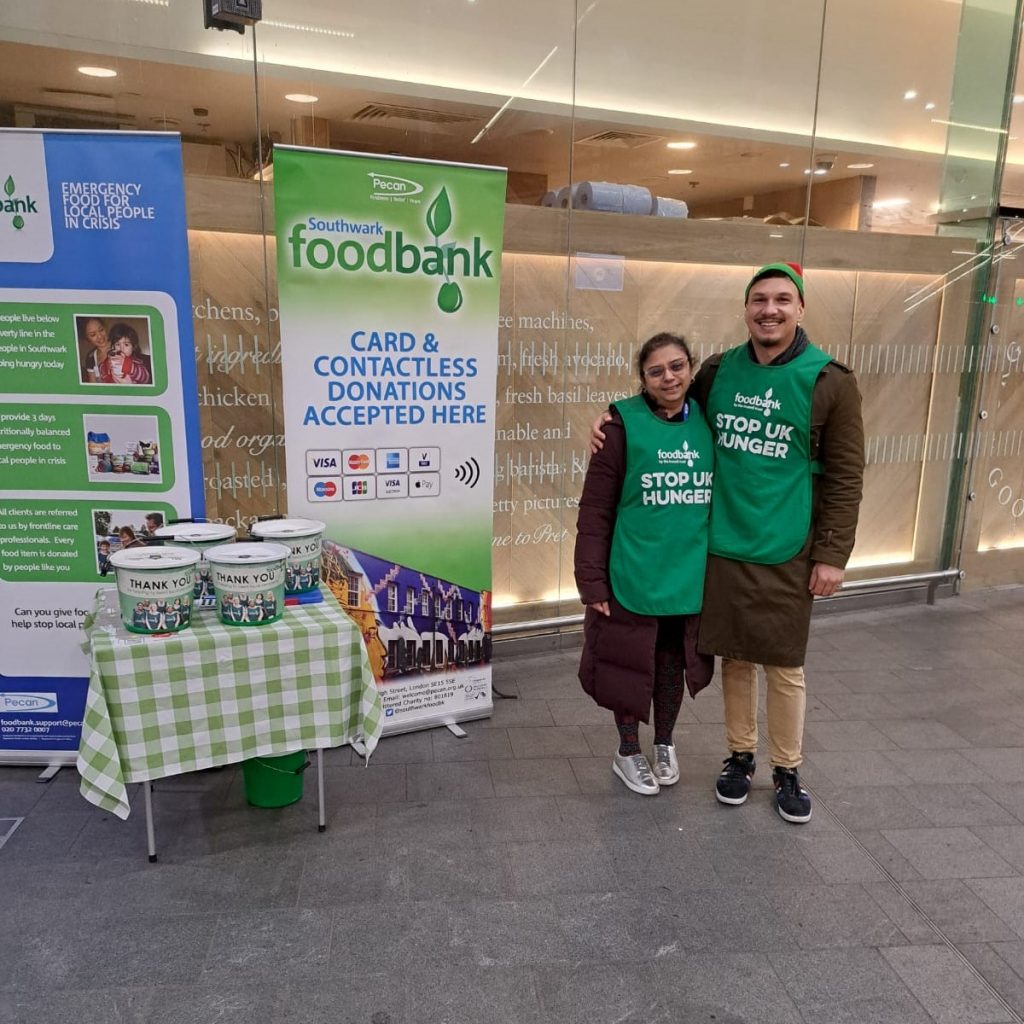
<point x="388" y="276"/>
<point x="99" y="423"/>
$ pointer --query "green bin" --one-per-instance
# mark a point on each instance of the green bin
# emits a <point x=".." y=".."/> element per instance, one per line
<point x="274" y="781"/>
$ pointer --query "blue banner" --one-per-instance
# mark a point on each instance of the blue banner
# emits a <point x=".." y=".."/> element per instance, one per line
<point x="99" y="420"/>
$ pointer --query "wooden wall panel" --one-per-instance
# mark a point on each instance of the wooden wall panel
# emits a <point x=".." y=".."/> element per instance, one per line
<point x="564" y="353"/>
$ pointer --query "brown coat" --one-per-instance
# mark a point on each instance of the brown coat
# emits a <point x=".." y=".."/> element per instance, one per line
<point x="762" y="613"/>
<point x="617" y="664"/>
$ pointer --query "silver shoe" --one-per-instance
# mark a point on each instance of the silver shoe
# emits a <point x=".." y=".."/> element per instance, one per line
<point x="635" y="772"/>
<point x="666" y="767"/>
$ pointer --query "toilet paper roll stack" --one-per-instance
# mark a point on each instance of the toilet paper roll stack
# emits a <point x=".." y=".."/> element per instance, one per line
<point x="662" y="207"/>
<point x="607" y="197"/>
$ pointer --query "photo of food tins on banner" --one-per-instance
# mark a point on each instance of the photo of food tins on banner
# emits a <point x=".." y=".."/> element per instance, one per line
<point x="389" y="276"/>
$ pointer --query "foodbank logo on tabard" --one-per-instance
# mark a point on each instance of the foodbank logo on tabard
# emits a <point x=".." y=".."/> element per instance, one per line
<point x="26" y="234"/>
<point x="370" y="246"/>
<point x="763" y="403"/>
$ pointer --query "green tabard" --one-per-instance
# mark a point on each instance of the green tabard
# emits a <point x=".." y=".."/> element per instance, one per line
<point x="660" y="541"/>
<point x="761" y="418"/>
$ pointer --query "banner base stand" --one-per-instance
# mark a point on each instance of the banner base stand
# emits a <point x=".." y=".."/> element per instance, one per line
<point x="49" y="772"/>
<point x="455" y="730"/>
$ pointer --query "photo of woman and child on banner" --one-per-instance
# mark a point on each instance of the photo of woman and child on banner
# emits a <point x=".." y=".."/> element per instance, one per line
<point x="113" y="351"/>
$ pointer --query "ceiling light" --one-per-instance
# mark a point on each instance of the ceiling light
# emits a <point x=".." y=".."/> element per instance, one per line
<point x="929" y="106"/>
<point x="1018" y="99"/>
<point x="858" y="167"/>
<point x="775" y="236"/>
<point x="301" y="97"/>
<point x="817" y="170"/>
<point x="317" y="30"/>
<point x="973" y="127"/>
<point x="681" y="170"/>
<point x="97" y="72"/>
<point x="682" y="145"/>
<point x="910" y="94"/>
<point x="785" y="164"/>
<point x="888" y="204"/>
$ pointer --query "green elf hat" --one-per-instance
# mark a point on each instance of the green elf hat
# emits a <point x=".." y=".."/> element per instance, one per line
<point x="792" y="270"/>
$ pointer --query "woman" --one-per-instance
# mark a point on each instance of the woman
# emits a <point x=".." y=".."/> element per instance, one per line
<point x="125" y="364"/>
<point x="641" y="548"/>
<point x="94" y="334"/>
<point x="128" y="539"/>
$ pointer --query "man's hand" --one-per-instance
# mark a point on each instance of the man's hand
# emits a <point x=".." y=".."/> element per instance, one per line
<point x="601" y="607"/>
<point x="825" y="579"/>
<point x="597" y="435"/>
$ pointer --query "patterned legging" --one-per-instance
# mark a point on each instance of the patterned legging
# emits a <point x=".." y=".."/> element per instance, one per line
<point x="668" y="689"/>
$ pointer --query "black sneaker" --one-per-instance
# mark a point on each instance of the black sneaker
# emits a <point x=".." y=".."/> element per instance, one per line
<point x="733" y="785"/>
<point x="792" y="801"/>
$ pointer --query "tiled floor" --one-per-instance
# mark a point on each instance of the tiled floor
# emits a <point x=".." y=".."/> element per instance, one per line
<point x="509" y="877"/>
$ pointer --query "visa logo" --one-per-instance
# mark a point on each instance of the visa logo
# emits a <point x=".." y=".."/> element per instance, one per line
<point x="325" y="462"/>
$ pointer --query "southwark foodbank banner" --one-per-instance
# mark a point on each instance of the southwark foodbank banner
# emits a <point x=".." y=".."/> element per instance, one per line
<point x="98" y="414"/>
<point x="388" y="274"/>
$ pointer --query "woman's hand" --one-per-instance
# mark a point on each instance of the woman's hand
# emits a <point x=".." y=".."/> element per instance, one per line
<point x="597" y="435"/>
<point x="601" y="607"/>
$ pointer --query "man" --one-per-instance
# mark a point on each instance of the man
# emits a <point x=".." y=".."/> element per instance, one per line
<point x="789" y="447"/>
<point x="153" y="522"/>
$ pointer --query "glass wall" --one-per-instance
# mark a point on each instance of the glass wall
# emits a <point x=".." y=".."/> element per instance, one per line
<point x="656" y="156"/>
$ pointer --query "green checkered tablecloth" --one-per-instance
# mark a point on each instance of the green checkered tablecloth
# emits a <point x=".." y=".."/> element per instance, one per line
<point x="216" y="694"/>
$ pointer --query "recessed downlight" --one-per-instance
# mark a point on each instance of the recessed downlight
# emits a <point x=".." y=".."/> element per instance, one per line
<point x="301" y="97"/>
<point x="910" y="94"/>
<point x="858" y="167"/>
<point x="929" y="106"/>
<point x="95" y="72"/>
<point x="1018" y="99"/>
<point x="785" y="163"/>
<point x="681" y="170"/>
<point x="682" y="145"/>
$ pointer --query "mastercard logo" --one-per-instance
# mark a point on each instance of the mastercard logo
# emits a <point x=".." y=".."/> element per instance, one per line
<point x="359" y="461"/>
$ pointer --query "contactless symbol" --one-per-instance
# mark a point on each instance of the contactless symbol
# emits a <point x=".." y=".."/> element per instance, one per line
<point x="468" y="473"/>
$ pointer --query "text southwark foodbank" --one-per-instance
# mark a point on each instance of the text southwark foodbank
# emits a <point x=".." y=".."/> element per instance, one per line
<point x="392" y="254"/>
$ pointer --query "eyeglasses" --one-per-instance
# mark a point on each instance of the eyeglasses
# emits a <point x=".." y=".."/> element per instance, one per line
<point x="676" y="366"/>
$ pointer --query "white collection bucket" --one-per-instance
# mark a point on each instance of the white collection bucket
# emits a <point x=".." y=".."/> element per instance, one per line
<point x="154" y="588"/>
<point x="304" y="539"/>
<point x="248" y="582"/>
<point x="197" y="537"/>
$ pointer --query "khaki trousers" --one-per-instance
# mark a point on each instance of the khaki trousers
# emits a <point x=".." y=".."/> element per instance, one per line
<point x="786" y="704"/>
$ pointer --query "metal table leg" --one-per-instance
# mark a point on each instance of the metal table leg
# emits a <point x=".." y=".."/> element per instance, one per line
<point x="147" y="790"/>
<point x="320" y="790"/>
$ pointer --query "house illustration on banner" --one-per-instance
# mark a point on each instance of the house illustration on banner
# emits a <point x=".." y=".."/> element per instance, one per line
<point x="410" y="621"/>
